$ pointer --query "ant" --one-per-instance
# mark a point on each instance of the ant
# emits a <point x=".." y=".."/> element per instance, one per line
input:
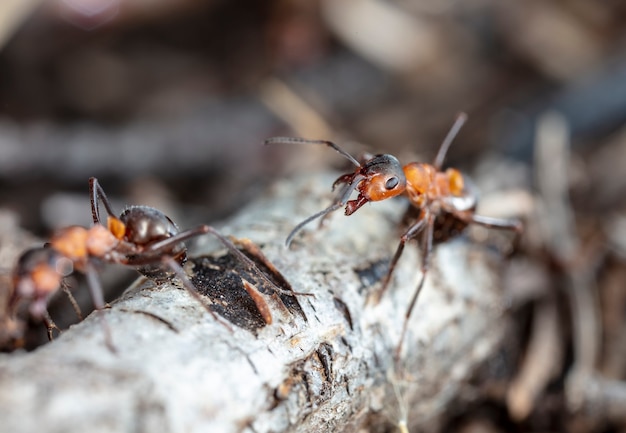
<point x="142" y="237"/>
<point x="443" y="203"/>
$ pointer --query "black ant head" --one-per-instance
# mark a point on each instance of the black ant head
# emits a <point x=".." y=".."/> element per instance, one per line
<point x="380" y="178"/>
<point x="145" y="227"/>
<point x="37" y="274"/>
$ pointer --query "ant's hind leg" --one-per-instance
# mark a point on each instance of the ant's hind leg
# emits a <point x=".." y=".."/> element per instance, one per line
<point x="497" y="223"/>
<point x="513" y="225"/>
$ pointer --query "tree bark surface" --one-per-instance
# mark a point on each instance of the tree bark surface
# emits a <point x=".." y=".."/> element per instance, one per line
<point x="325" y="367"/>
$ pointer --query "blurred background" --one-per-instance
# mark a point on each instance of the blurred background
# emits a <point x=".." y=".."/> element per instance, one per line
<point x="168" y="102"/>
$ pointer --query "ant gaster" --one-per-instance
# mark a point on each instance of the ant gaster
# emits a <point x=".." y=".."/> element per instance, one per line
<point x="443" y="203"/>
<point x="142" y="237"/>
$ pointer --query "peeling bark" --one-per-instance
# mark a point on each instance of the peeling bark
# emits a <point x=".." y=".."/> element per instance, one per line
<point x="327" y="367"/>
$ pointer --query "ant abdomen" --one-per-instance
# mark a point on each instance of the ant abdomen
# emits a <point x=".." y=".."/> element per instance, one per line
<point x="38" y="273"/>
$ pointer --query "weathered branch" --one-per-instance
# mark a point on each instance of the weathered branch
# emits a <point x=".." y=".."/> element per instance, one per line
<point x="332" y="369"/>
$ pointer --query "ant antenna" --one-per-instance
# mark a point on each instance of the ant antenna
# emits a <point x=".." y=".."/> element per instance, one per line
<point x="295" y="140"/>
<point x="441" y="154"/>
<point x="341" y="202"/>
<point x="97" y="195"/>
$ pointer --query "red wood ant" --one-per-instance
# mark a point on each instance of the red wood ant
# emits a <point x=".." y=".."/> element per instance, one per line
<point x="142" y="237"/>
<point x="443" y="203"/>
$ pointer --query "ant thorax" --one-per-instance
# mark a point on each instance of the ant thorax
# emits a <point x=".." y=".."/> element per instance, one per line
<point x="78" y="243"/>
<point x="421" y="184"/>
<point x="439" y="191"/>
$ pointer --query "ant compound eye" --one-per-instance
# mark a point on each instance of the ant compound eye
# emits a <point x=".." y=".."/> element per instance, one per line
<point x="391" y="183"/>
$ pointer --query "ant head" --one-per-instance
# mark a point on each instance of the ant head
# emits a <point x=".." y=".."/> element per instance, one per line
<point x="381" y="178"/>
<point x="378" y="178"/>
<point x="146" y="228"/>
<point x="146" y="225"/>
<point x="38" y="273"/>
<point x="384" y="178"/>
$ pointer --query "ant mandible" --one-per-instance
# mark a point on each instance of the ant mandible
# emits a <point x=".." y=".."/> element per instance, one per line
<point x="443" y="203"/>
<point x="142" y="237"/>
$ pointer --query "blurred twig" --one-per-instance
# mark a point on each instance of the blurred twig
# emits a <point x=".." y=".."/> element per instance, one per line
<point x="542" y="361"/>
<point x="586" y="390"/>
<point x="12" y="14"/>
<point x="294" y="110"/>
<point x="383" y="33"/>
<point x="552" y="159"/>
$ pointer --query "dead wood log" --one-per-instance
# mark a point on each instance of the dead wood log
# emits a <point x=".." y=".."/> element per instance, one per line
<point x="328" y="368"/>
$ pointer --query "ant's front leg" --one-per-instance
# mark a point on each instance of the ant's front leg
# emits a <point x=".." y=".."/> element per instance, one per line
<point x="340" y="202"/>
<point x="413" y="231"/>
<point x="191" y="289"/>
<point x="343" y="179"/>
<point x="165" y="246"/>
<point x="427" y="248"/>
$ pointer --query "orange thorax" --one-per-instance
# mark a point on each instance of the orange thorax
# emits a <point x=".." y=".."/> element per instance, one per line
<point x="425" y="184"/>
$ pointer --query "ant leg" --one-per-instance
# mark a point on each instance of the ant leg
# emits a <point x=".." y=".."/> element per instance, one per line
<point x="427" y="248"/>
<point x="168" y="243"/>
<point x="252" y="267"/>
<point x="97" y="195"/>
<point x="496" y="223"/>
<point x="204" y="229"/>
<point x="98" y="301"/>
<point x="191" y="289"/>
<point x="445" y="145"/>
<point x="514" y="225"/>
<point x="345" y="179"/>
<point x="342" y="201"/>
<point x="11" y="332"/>
<point x="72" y="299"/>
<point x="413" y="231"/>
<point x="256" y="252"/>
<point x="50" y="325"/>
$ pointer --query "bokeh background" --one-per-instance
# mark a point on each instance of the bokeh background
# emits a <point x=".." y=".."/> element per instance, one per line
<point x="168" y="102"/>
